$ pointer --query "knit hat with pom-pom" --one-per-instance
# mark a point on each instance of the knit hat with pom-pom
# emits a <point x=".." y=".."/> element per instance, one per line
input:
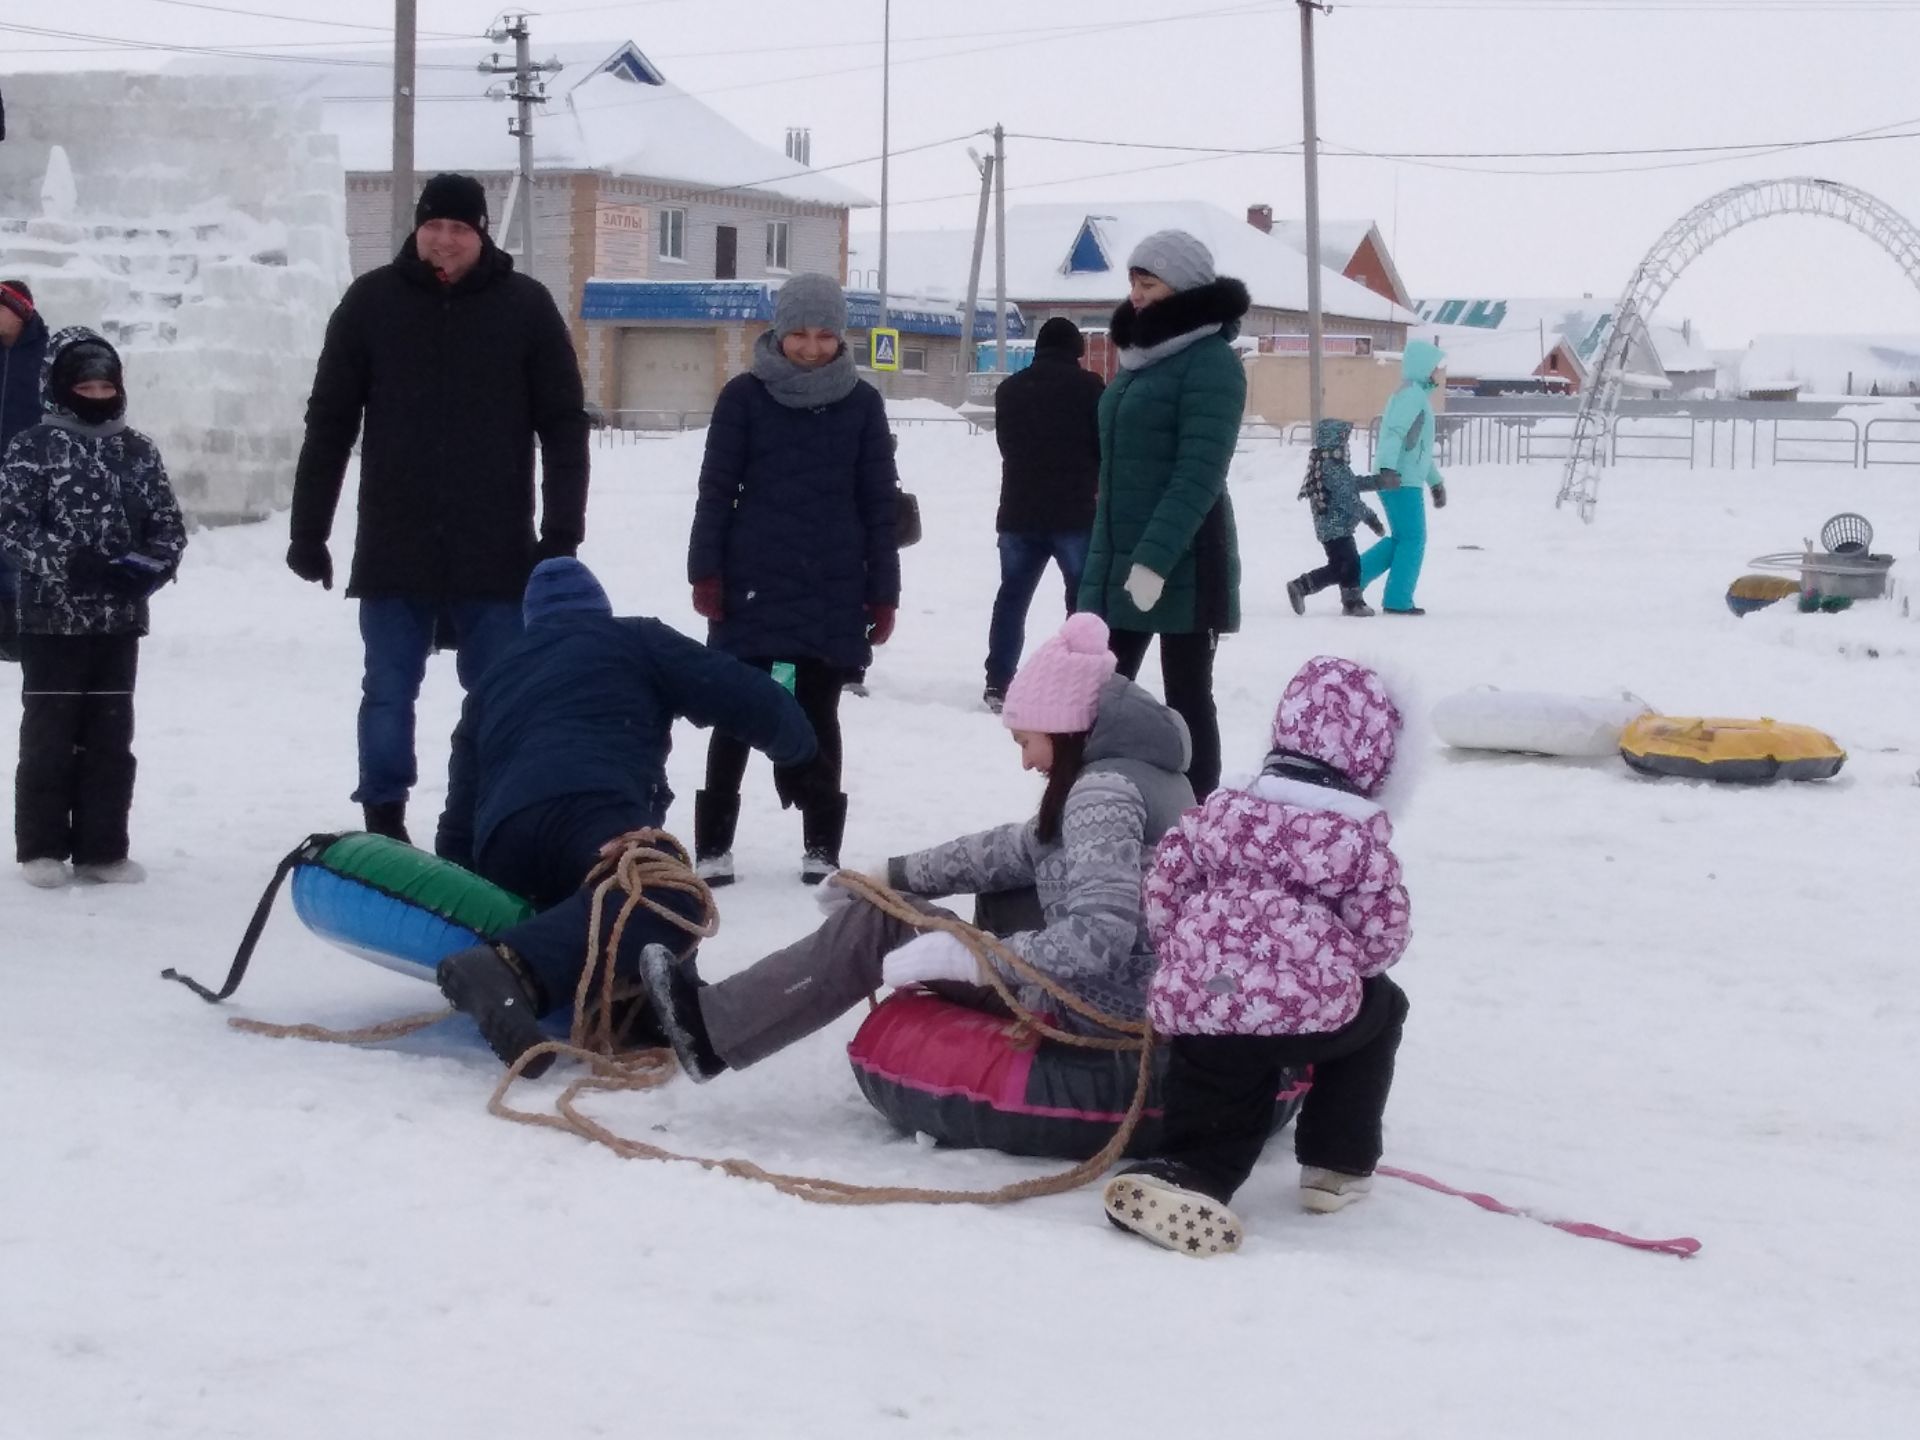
<point x="1057" y="692"/>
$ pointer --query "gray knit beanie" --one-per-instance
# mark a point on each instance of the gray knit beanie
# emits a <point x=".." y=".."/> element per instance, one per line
<point x="1174" y="257"/>
<point x="810" y="302"/>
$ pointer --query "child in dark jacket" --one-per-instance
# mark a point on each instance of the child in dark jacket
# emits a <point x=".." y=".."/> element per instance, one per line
<point x="1276" y="911"/>
<point x="89" y="521"/>
<point x="1332" y="492"/>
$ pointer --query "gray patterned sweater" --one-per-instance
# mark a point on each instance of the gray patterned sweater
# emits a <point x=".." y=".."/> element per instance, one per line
<point x="1094" y="940"/>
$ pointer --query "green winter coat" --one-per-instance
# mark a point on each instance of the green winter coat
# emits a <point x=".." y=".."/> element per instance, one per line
<point x="1167" y="434"/>
<point x="1406" y="425"/>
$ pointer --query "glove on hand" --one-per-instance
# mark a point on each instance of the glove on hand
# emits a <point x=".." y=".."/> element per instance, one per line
<point x="310" y="561"/>
<point x="137" y="575"/>
<point x="1145" y="588"/>
<point x="1439" y="495"/>
<point x="1373" y="523"/>
<point x="936" y="955"/>
<point x="89" y="572"/>
<point x="832" y="898"/>
<point x="880" y="623"/>
<point x="1389" y="479"/>
<point x="552" y="549"/>
<point x="708" y="602"/>
<point x="803" y="785"/>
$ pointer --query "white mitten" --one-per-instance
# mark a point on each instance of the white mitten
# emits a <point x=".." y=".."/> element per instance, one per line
<point x="936" y="955"/>
<point x="832" y="898"/>
<point x="1144" y="588"/>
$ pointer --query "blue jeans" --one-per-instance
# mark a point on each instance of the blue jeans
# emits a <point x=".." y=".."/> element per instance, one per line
<point x="1398" y="556"/>
<point x="398" y="635"/>
<point x="1023" y="559"/>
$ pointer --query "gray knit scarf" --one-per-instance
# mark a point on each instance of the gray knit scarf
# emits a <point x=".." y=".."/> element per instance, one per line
<point x="798" y="388"/>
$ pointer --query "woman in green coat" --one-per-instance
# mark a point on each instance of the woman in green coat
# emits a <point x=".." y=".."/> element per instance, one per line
<point x="1164" y="559"/>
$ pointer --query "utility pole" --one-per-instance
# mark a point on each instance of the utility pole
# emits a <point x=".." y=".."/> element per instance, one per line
<point x="403" y="34"/>
<point x="1310" y="149"/>
<point x="886" y="102"/>
<point x="1000" y="247"/>
<point x="985" y="167"/>
<point x="528" y="90"/>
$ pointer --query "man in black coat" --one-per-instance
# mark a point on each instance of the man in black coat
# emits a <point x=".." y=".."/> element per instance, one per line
<point x="457" y="363"/>
<point x="1046" y="418"/>
<point x="23" y="344"/>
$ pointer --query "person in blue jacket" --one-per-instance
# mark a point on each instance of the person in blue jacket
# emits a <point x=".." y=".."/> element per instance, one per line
<point x="794" y="554"/>
<point x="23" y="345"/>
<point x="1406" y="454"/>
<point x="561" y="747"/>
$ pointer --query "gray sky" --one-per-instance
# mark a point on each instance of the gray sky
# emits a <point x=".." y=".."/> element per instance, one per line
<point x="1394" y="75"/>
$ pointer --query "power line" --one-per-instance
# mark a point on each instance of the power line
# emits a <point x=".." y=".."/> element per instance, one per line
<point x="298" y="19"/>
<point x="122" y="42"/>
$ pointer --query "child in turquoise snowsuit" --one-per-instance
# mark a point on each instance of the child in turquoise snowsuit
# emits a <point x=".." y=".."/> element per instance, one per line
<point x="1406" y="450"/>
<point x="1332" y="492"/>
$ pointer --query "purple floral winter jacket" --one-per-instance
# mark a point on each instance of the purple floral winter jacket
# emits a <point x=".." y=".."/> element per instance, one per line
<point x="1268" y="906"/>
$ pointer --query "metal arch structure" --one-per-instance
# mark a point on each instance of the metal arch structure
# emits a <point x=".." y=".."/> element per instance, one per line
<point x="1683" y="243"/>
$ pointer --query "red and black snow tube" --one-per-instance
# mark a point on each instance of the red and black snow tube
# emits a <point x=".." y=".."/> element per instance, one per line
<point x="978" y="1081"/>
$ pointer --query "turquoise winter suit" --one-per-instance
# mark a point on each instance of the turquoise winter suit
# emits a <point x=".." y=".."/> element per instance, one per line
<point x="1406" y="446"/>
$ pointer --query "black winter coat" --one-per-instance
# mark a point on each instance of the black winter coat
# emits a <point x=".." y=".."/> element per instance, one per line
<point x="1047" y="420"/>
<point x="796" y="515"/>
<point x="455" y="382"/>
<point x="20" y="380"/>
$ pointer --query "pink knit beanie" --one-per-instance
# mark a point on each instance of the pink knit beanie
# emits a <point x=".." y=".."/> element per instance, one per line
<point x="1057" y="692"/>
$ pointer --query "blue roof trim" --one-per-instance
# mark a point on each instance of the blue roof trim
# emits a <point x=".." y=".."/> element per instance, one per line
<point x="741" y="300"/>
<point x="1086" y="257"/>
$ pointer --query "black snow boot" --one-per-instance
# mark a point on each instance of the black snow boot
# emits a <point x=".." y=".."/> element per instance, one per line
<point x="1169" y="1204"/>
<point x="1354" y="602"/>
<point x="674" y="987"/>
<point x="388" y="818"/>
<point x="1297" y="593"/>
<point x="491" y="984"/>
<point x="822" y="825"/>
<point x="714" y="817"/>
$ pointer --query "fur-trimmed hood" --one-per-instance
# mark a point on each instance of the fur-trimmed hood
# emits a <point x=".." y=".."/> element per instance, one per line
<point x="1225" y="303"/>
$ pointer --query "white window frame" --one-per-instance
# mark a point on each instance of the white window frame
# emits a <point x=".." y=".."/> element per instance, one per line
<point x="672" y="242"/>
<point x="779" y="246"/>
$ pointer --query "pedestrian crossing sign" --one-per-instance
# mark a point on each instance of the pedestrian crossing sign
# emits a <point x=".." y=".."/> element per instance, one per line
<point x="886" y="349"/>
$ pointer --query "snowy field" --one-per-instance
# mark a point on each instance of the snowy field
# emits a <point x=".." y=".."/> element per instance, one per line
<point x="1671" y="1008"/>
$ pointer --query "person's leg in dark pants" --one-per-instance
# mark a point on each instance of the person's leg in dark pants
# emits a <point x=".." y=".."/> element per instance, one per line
<point x="103" y="780"/>
<point x="1070" y="554"/>
<point x="1186" y="674"/>
<point x="1023" y="558"/>
<point x="53" y="681"/>
<point x="1339" y="1126"/>
<point x="716" y="807"/>
<point x="1342" y="567"/>
<point x="823" y="819"/>
<point x="482" y="629"/>
<point x="1218" y="1106"/>
<point x="1129" y="649"/>
<point x="398" y="636"/>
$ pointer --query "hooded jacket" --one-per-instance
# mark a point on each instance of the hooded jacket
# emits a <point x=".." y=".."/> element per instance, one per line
<point x="1406" y="425"/>
<point x="20" y="379"/>
<point x="454" y="383"/>
<point x="1094" y="941"/>
<point x="1168" y="426"/>
<point x="66" y="487"/>
<point x="1268" y="906"/>
<point x="1332" y="490"/>
<point x="1046" y="420"/>
<point x="584" y="703"/>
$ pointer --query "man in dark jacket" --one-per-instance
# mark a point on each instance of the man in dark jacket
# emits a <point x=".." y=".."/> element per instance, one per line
<point x="562" y="747"/>
<point x="1046" y="418"/>
<point x="23" y="345"/>
<point x="457" y="363"/>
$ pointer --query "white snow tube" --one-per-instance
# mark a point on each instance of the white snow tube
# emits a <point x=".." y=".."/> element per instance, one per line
<point x="1533" y="722"/>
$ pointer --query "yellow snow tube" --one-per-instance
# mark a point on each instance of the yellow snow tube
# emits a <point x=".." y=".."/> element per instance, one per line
<point x="1743" y="751"/>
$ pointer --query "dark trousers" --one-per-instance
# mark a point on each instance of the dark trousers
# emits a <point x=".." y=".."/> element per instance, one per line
<point x="1023" y="560"/>
<point x="1342" y="567"/>
<point x="398" y="634"/>
<point x="1220" y="1092"/>
<point x="543" y="853"/>
<point x="74" y="784"/>
<point x="816" y="686"/>
<point x="1186" y="674"/>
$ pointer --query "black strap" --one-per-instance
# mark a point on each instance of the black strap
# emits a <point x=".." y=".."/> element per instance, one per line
<point x="1308" y="769"/>
<point x="305" y="852"/>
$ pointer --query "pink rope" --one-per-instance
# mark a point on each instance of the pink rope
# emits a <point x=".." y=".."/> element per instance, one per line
<point x="1684" y="1246"/>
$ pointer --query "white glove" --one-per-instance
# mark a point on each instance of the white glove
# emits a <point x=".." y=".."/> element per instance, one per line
<point x="935" y="955"/>
<point x="833" y="898"/>
<point x="1144" y="588"/>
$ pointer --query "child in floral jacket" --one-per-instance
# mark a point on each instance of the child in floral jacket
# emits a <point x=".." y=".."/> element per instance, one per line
<point x="1332" y="492"/>
<point x="1276" y="911"/>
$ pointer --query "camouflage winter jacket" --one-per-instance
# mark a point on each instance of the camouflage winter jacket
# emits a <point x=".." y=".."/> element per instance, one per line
<point x="1332" y="489"/>
<point x="66" y="487"/>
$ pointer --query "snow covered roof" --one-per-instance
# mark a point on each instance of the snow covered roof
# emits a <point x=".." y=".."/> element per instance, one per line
<point x="1680" y="348"/>
<point x="1832" y="364"/>
<point x="608" y="108"/>
<point x="1498" y="354"/>
<point x="1077" y="254"/>
<point x="1583" y="322"/>
<point x="1340" y="240"/>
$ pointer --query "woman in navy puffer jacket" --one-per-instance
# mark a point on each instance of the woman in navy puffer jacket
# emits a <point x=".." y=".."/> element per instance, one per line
<point x="793" y="555"/>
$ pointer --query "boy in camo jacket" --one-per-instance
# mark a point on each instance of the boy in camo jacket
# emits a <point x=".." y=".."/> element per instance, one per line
<point x="88" y="519"/>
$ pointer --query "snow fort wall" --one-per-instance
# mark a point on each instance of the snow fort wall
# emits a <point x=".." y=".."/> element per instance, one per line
<point x="200" y="223"/>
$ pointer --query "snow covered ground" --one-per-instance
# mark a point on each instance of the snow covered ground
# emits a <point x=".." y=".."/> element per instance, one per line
<point x="1676" y="1009"/>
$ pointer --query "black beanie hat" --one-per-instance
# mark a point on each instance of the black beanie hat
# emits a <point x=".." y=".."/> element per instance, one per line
<point x="1060" y="333"/>
<point x="452" y="197"/>
<point x="15" y="296"/>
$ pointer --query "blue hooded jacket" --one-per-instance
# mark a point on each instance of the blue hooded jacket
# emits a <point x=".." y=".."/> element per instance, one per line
<point x="1406" y="425"/>
<point x="584" y="703"/>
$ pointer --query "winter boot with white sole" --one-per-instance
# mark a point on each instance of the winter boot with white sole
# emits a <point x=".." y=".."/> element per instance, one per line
<point x="1159" y="1201"/>
<point x="1325" y="1191"/>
